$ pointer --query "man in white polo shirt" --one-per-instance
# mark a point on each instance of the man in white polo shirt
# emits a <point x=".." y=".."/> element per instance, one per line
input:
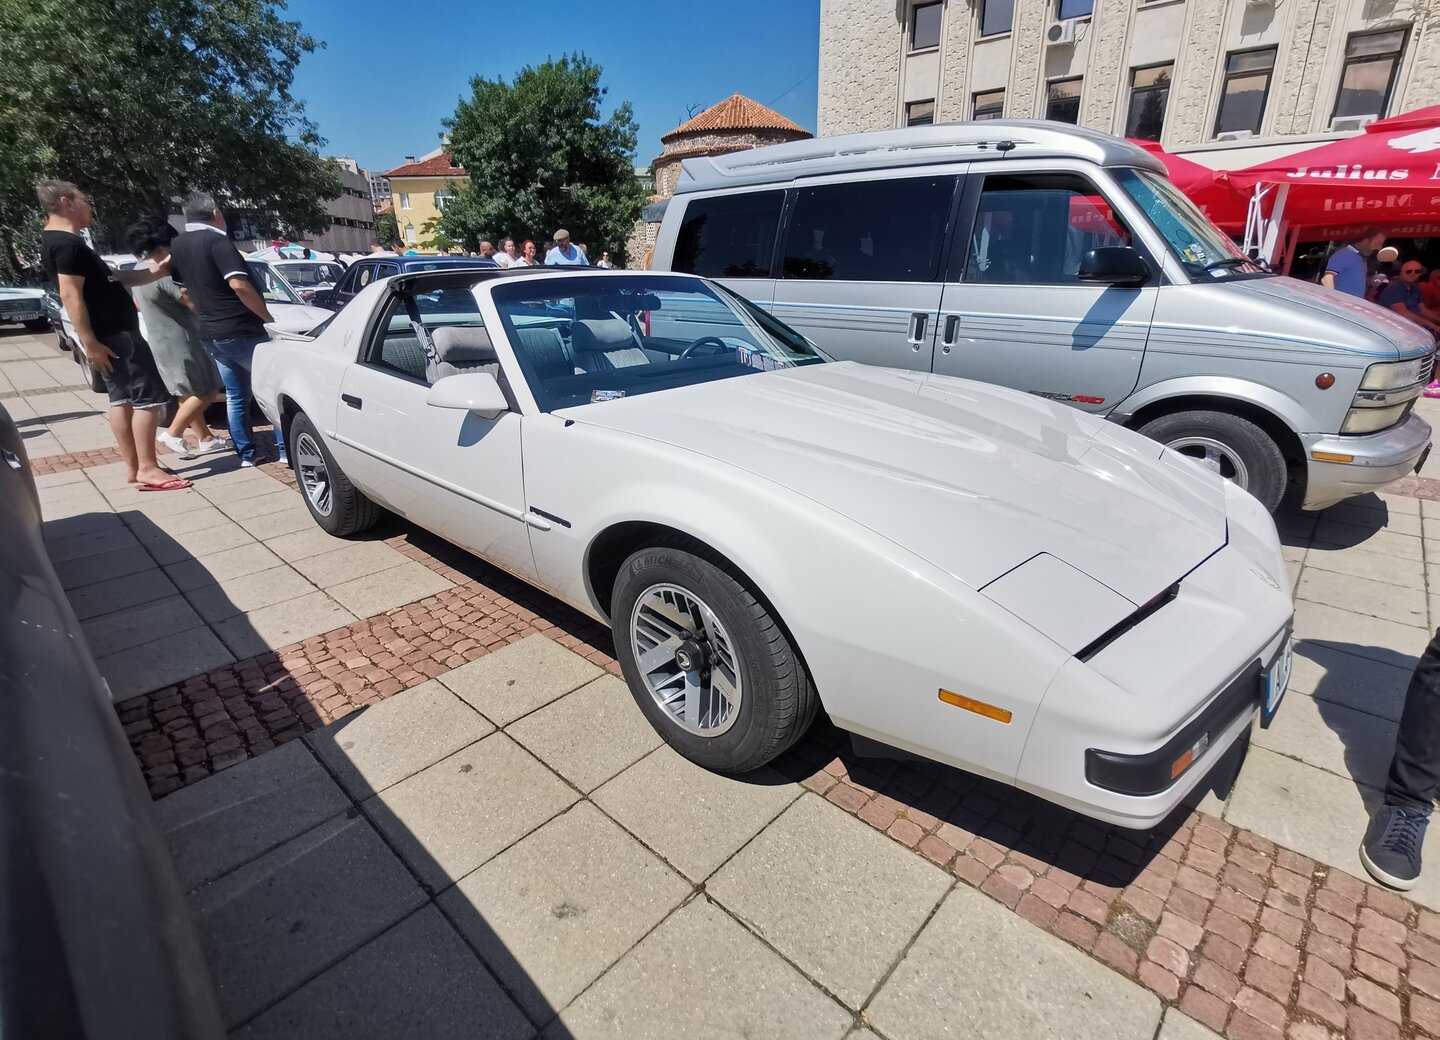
<point x="565" y="254"/>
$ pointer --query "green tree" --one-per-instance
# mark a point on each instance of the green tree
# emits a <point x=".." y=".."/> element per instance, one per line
<point x="539" y="157"/>
<point x="436" y="237"/>
<point x="141" y="101"/>
<point x="387" y="232"/>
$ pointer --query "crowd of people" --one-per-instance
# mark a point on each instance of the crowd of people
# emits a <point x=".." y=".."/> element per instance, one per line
<point x="558" y="251"/>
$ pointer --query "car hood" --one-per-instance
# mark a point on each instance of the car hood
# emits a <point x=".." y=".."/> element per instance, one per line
<point x="975" y="479"/>
<point x="1360" y="323"/>
<point x="295" y="317"/>
<point x="12" y="292"/>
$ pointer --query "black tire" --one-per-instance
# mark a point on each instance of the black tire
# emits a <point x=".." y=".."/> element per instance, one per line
<point x="350" y="512"/>
<point x="1255" y="461"/>
<point x="38" y="325"/>
<point x="778" y="701"/>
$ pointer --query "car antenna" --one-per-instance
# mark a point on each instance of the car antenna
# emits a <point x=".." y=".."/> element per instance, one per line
<point x="1005" y="146"/>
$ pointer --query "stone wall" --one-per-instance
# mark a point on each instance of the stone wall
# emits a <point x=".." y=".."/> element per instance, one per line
<point x="860" y="44"/>
<point x="1107" y="75"/>
<point x="952" y="101"/>
<point x="1023" y="98"/>
<point x="1187" y="112"/>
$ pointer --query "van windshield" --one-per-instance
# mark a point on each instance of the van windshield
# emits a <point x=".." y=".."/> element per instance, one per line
<point x="1205" y="250"/>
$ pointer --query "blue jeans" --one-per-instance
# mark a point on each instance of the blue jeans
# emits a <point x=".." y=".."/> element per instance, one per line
<point x="233" y="357"/>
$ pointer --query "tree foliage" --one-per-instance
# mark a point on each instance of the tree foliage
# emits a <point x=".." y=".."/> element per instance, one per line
<point x="141" y="101"/>
<point x="539" y="157"/>
<point x="387" y="232"/>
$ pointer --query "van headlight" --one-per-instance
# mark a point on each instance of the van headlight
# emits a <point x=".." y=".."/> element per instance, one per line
<point x="1386" y="394"/>
<point x="1369" y="420"/>
<point x="1394" y="375"/>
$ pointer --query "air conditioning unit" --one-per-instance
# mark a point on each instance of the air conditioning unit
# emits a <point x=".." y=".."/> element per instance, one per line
<point x="1062" y="33"/>
<point x="1351" y="123"/>
<point x="1235" y="135"/>
<point x="1269" y="4"/>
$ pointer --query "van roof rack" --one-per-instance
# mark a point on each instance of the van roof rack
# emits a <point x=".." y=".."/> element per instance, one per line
<point x="911" y="146"/>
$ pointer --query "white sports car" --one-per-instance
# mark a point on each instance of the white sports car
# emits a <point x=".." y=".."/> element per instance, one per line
<point x="958" y="570"/>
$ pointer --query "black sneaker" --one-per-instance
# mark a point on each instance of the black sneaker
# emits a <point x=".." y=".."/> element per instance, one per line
<point x="1391" y="849"/>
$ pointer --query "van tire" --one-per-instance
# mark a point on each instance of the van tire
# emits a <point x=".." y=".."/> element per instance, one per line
<point x="1242" y="451"/>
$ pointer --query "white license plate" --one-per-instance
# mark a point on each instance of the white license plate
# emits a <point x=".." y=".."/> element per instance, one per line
<point x="24" y="315"/>
<point x="1276" y="681"/>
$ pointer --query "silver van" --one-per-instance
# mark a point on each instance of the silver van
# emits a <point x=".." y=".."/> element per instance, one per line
<point x="1062" y="262"/>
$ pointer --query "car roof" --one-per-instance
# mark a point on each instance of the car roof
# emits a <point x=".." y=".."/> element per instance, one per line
<point x="982" y="141"/>
<point x="451" y="276"/>
<point x="444" y="261"/>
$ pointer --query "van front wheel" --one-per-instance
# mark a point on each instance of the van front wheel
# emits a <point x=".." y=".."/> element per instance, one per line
<point x="1235" y="448"/>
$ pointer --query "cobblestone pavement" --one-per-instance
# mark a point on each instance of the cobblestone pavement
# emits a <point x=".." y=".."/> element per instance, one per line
<point x="1248" y="916"/>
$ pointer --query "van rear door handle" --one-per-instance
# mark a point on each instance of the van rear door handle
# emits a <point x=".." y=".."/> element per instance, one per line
<point x="951" y="332"/>
<point x="917" y="329"/>
<point x="353" y="402"/>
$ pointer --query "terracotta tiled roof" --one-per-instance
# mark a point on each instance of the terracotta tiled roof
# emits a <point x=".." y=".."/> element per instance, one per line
<point x="439" y="166"/>
<point x="383" y="210"/>
<point x="675" y="155"/>
<point x="737" y="112"/>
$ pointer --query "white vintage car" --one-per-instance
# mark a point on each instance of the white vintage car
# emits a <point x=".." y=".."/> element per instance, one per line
<point x="957" y="570"/>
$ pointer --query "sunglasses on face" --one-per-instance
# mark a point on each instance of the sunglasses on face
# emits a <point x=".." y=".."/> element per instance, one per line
<point x="1411" y="270"/>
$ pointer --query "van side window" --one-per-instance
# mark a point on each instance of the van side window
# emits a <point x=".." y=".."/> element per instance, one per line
<point x="1033" y="229"/>
<point x="869" y="231"/>
<point x="729" y="236"/>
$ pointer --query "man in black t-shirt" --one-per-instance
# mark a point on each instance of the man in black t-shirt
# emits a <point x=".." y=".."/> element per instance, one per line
<point x="230" y="311"/>
<point x="108" y="328"/>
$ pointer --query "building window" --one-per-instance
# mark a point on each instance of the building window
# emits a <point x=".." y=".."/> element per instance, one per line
<point x="1063" y="101"/>
<point x="443" y="198"/>
<point x="988" y="104"/>
<point x="925" y="26"/>
<point x="410" y="233"/>
<point x="920" y="113"/>
<point x="1368" y="76"/>
<point x="1075" y="8"/>
<point x="1149" y="91"/>
<point x="996" y="16"/>
<point x="404" y="200"/>
<point x="1243" y="94"/>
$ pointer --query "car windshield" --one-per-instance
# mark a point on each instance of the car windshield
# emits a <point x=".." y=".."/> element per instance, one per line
<point x="270" y="284"/>
<point x="1205" y="250"/>
<point x="308" y="275"/>
<point x="589" y="339"/>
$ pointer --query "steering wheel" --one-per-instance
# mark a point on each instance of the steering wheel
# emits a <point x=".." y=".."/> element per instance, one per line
<point x="705" y="341"/>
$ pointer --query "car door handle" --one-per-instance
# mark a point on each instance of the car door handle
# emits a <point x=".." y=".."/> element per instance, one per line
<point x="951" y="332"/>
<point x="917" y="329"/>
<point x="353" y="402"/>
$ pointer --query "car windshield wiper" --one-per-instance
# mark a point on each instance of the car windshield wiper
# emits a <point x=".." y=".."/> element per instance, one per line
<point x="1229" y="261"/>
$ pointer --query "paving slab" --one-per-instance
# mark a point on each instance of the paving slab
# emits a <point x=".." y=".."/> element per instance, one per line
<point x="1356" y="682"/>
<point x="233" y="486"/>
<point x="166" y="547"/>
<point x="52" y="480"/>
<point x="416" y="980"/>
<point x="215" y="568"/>
<point x="268" y="628"/>
<point x="1405" y="606"/>
<point x="111" y="633"/>
<point x="386" y="742"/>
<point x="155" y="504"/>
<point x="114" y="563"/>
<point x="834" y="895"/>
<point x="1317" y="814"/>
<point x="516" y="679"/>
<point x="294" y="517"/>
<point x="105" y="597"/>
<point x="1332" y="737"/>
<point x="147" y="525"/>
<point x="312" y="541"/>
<point x="1179" y="1026"/>
<point x="451" y="817"/>
<point x="60" y="528"/>
<point x="249" y="592"/>
<point x="704" y="818"/>
<point x="280" y="920"/>
<point x="1379" y="540"/>
<point x="700" y="974"/>
<point x="1362" y="563"/>
<point x="384" y="590"/>
<point x="231" y="818"/>
<point x="160" y="662"/>
<point x="590" y="735"/>
<point x="979" y="969"/>
<point x="1370" y="637"/>
<point x="355" y="560"/>
<point x="553" y="911"/>
<point x="255" y="506"/>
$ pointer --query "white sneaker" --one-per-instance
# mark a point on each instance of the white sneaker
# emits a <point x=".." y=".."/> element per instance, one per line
<point x="214" y="444"/>
<point x="175" y="444"/>
<point x="246" y="464"/>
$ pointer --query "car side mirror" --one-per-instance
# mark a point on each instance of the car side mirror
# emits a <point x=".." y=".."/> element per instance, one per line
<point x="476" y="392"/>
<point x="1114" y="265"/>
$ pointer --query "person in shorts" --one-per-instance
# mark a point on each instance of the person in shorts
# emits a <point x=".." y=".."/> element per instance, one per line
<point x="108" y="328"/>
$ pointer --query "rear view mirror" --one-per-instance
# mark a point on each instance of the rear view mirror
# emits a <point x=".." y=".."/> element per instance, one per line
<point x="1114" y="265"/>
<point x="476" y="392"/>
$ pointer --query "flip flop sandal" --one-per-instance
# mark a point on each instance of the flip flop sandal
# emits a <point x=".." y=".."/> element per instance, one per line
<point x="177" y="484"/>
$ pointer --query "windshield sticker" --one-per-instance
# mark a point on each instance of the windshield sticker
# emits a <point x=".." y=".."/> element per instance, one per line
<point x="1195" y="253"/>
<point x="757" y="360"/>
<point x="605" y="395"/>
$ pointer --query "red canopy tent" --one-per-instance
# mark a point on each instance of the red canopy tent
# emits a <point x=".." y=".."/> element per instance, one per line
<point x="1388" y="176"/>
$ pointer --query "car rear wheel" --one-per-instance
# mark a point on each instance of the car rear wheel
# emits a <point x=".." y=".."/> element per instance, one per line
<point x="334" y="503"/>
<point x="1236" y="448"/>
<point x="706" y="661"/>
<point x="38" y="325"/>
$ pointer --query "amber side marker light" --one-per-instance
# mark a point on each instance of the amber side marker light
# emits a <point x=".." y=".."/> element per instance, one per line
<point x="959" y="700"/>
<point x="1330" y="456"/>
<point x="1325" y="381"/>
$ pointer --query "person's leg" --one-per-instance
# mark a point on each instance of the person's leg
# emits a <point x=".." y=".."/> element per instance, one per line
<point x="120" y="429"/>
<point x="248" y="362"/>
<point x="190" y="410"/>
<point x="203" y="433"/>
<point x="236" y="378"/>
<point x="143" y="423"/>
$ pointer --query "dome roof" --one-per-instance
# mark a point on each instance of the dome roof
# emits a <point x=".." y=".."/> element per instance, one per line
<point x="737" y="112"/>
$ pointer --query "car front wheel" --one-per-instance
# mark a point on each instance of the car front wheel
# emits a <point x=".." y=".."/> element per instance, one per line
<point x="707" y="663"/>
<point x="334" y="503"/>
<point x="1236" y="448"/>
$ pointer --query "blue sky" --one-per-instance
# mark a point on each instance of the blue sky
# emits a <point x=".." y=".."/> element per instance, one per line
<point x="383" y="82"/>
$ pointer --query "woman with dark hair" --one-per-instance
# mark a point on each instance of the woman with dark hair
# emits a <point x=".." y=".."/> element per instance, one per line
<point x="188" y="371"/>
<point x="527" y="257"/>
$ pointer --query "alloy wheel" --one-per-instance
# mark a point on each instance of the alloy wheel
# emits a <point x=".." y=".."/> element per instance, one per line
<point x="687" y="659"/>
<point x="314" y="474"/>
<point x="1215" y="455"/>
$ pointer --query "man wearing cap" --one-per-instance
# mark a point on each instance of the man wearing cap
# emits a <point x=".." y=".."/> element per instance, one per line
<point x="564" y="254"/>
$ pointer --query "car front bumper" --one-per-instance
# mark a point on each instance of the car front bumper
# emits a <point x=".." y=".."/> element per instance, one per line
<point x="1378" y="459"/>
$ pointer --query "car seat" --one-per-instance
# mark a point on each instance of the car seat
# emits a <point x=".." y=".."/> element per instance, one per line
<point x="546" y="352"/>
<point x="604" y="344"/>
<point x="461" y="348"/>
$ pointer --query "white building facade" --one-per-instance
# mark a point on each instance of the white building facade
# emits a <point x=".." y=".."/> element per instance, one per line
<point x="1237" y="81"/>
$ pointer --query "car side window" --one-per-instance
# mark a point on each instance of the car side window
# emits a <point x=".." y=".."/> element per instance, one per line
<point x="364" y="275"/>
<point x="869" y="231"/>
<point x="1033" y="229"/>
<point x="396" y="346"/>
<point x="729" y="236"/>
